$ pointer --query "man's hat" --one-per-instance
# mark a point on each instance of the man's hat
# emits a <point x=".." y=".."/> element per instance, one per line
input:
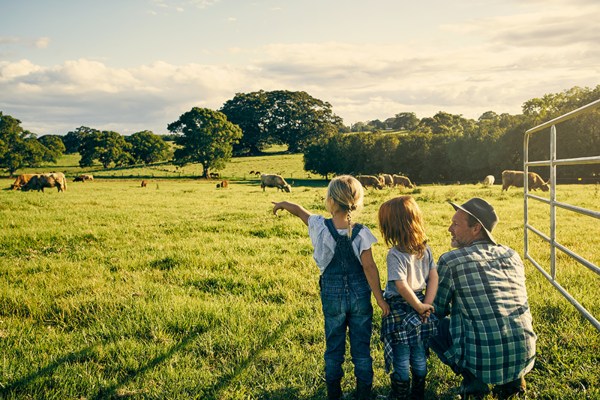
<point x="483" y="212"/>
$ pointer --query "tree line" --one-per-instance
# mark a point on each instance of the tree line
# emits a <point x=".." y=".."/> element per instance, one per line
<point x="445" y="147"/>
<point x="450" y="148"/>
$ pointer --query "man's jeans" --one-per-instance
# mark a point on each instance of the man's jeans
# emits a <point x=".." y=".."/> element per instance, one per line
<point x="355" y="314"/>
<point x="407" y="357"/>
<point x="442" y="342"/>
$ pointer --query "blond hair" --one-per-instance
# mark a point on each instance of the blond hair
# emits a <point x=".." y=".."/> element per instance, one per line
<point x="401" y="224"/>
<point x="347" y="194"/>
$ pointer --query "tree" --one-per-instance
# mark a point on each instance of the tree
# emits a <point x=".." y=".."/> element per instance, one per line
<point x="147" y="147"/>
<point x="73" y="139"/>
<point x="54" y="146"/>
<point x="250" y="112"/>
<point x="20" y="148"/>
<point x="207" y="138"/>
<point x="406" y="121"/>
<point x="292" y="118"/>
<point x="107" y="147"/>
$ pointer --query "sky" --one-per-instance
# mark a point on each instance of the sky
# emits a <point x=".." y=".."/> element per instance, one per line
<point x="133" y="65"/>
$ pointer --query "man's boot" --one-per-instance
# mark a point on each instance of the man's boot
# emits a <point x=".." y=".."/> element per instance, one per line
<point x="400" y="390"/>
<point x="511" y="390"/>
<point x="418" y="388"/>
<point x="363" y="390"/>
<point x="472" y="387"/>
<point x="334" y="390"/>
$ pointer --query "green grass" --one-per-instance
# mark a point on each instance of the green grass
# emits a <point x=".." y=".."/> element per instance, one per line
<point x="182" y="290"/>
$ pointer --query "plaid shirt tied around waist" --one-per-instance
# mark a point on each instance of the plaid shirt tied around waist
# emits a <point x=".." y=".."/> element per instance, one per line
<point x="403" y="325"/>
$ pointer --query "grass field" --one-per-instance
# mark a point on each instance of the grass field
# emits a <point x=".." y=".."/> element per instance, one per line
<point x="182" y="290"/>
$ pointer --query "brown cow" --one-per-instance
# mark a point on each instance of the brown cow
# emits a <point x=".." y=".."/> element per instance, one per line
<point x="276" y="181"/>
<point x="388" y="180"/>
<point x="22" y="180"/>
<point x="403" y="181"/>
<point x="83" y="178"/>
<point x="516" y="178"/>
<point x="370" y="180"/>
<point x="144" y="183"/>
<point x="41" y="181"/>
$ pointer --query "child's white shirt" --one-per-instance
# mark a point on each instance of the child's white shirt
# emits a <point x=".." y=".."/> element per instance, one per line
<point x="324" y="244"/>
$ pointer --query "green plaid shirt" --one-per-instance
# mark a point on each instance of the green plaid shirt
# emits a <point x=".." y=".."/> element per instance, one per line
<point x="482" y="287"/>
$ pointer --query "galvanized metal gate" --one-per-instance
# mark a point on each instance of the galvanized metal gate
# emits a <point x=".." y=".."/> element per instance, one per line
<point x="553" y="162"/>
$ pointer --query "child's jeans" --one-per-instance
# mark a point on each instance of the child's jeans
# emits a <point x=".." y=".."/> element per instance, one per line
<point x="355" y="314"/>
<point x="407" y="357"/>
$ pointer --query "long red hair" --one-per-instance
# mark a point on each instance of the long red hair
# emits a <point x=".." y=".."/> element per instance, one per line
<point x="401" y="224"/>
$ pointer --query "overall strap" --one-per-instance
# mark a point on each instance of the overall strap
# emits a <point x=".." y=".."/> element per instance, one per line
<point x="336" y="235"/>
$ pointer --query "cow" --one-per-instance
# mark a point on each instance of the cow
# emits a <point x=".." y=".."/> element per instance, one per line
<point x="276" y="181"/>
<point x="223" y="184"/>
<point x="388" y="180"/>
<point x="22" y="180"/>
<point x="370" y="180"/>
<point x="41" y="181"/>
<point x="83" y="178"/>
<point x="214" y="175"/>
<point x="402" y="181"/>
<point x="516" y="178"/>
<point x="488" y="180"/>
<point x="144" y="183"/>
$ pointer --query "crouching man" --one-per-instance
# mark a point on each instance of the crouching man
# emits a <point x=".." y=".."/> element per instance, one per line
<point x="485" y="331"/>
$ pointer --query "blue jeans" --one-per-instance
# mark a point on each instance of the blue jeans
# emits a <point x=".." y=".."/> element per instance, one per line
<point x="354" y="313"/>
<point x="442" y="343"/>
<point x="407" y="357"/>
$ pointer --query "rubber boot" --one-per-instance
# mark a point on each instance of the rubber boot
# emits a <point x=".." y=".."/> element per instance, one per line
<point x="400" y="390"/>
<point x="363" y="390"/>
<point x="334" y="390"/>
<point x="511" y="390"/>
<point x="418" y="388"/>
<point x="472" y="388"/>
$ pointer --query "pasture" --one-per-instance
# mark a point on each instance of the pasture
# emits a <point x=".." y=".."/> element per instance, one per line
<point x="182" y="290"/>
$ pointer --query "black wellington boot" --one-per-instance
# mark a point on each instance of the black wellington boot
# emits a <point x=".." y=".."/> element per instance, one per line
<point x="418" y="388"/>
<point x="334" y="390"/>
<point x="400" y="390"/>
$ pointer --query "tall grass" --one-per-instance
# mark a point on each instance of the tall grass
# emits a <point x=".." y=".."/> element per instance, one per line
<point x="183" y="290"/>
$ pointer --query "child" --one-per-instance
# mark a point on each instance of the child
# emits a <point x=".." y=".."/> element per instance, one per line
<point x="342" y="250"/>
<point x="411" y="269"/>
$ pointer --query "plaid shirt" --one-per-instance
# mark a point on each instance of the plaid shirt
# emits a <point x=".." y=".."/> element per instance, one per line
<point x="403" y="325"/>
<point x="482" y="287"/>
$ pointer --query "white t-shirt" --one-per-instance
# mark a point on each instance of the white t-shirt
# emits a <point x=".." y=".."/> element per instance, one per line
<point x="324" y="244"/>
<point x="398" y="264"/>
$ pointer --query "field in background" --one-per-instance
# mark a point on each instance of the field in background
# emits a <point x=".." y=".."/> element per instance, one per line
<point x="182" y="290"/>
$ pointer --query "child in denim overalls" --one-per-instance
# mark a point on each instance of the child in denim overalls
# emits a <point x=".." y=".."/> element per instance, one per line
<point x="342" y="250"/>
<point x="406" y="330"/>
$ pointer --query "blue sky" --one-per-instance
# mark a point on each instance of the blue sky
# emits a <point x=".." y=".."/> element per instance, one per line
<point x="134" y="65"/>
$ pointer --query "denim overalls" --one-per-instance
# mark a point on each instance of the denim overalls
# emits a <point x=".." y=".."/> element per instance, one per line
<point x="346" y="300"/>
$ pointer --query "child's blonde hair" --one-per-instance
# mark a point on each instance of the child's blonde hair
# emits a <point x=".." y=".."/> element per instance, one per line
<point x="401" y="224"/>
<point x="347" y="194"/>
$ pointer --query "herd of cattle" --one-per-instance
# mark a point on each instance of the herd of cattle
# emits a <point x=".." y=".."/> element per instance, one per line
<point x="26" y="182"/>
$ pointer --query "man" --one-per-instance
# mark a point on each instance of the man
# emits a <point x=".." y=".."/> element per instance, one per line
<point x="488" y="337"/>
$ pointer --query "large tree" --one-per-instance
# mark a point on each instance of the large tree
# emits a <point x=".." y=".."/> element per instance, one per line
<point x="147" y="147"/>
<point x="292" y="118"/>
<point x="20" y="148"/>
<point x="74" y="139"/>
<point x="250" y="112"/>
<point x="207" y="138"/>
<point x="107" y="147"/>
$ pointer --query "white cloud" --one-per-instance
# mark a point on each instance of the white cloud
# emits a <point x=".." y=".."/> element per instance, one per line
<point x="501" y="63"/>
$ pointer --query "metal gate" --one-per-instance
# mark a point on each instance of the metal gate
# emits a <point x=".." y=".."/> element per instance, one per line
<point x="553" y="162"/>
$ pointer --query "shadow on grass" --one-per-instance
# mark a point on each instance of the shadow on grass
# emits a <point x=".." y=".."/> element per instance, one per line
<point x="21" y="386"/>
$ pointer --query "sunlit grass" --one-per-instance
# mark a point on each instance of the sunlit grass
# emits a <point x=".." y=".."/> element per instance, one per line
<point x="183" y="290"/>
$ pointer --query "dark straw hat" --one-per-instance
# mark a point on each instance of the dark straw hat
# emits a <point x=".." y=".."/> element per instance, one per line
<point x="483" y="212"/>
